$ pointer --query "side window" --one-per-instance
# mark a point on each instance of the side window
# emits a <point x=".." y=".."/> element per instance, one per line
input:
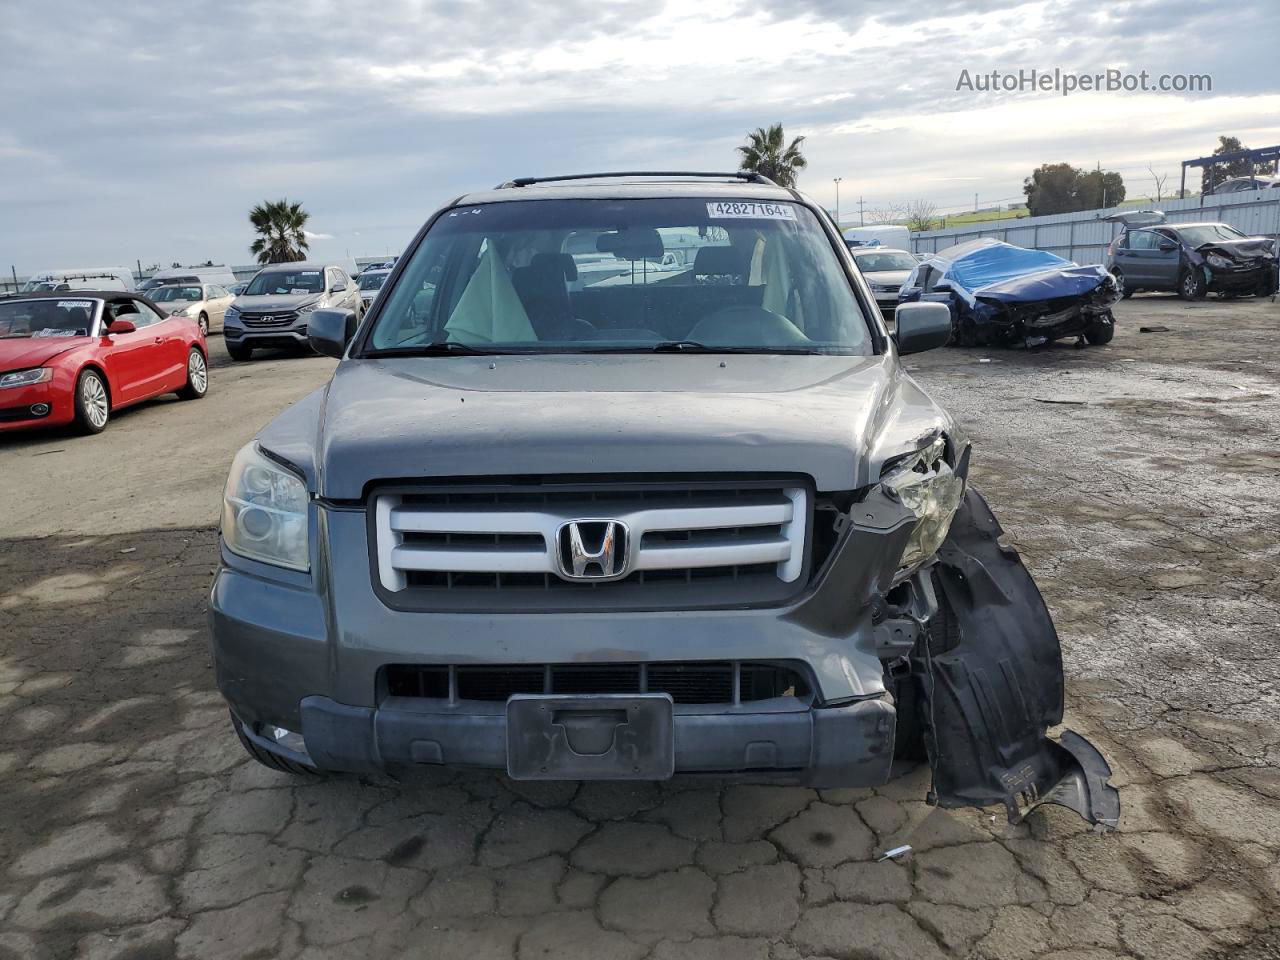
<point x="1142" y="240"/>
<point x="146" y="316"/>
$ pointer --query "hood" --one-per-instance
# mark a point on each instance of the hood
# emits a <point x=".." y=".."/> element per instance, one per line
<point x="35" y="351"/>
<point x="898" y="277"/>
<point x="1046" y="285"/>
<point x="282" y="301"/>
<point x="1252" y="248"/>
<point x="834" y="418"/>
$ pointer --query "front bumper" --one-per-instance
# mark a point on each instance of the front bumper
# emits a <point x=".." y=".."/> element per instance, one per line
<point x="20" y="406"/>
<point x="851" y="745"/>
<point x="1239" y="280"/>
<point x="292" y="335"/>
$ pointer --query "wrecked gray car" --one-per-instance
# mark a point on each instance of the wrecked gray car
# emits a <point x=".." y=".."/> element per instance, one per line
<point x="1192" y="259"/>
<point x="684" y="515"/>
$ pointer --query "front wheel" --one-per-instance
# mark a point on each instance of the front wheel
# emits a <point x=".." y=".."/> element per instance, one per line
<point x="197" y="376"/>
<point x="93" y="404"/>
<point x="1101" y="330"/>
<point x="1192" y="285"/>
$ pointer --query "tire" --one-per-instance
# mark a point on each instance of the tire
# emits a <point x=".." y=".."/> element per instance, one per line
<point x="204" y="325"/>
<point x="1101" y="330"/>
<point x="269" y="759"/>
<point x="92" y="403"/>
<point x="1125" y="291"/>
<point x="197" y="376"/>
<point x="1191" y="285"/>
<point x="239" y="352"/>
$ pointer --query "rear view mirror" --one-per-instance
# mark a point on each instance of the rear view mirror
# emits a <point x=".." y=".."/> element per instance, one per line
<point x="922" y="326"/>
<point x="1168" y="245"/>
<point x="639" y="243"/>
<point x="121" y="326"/>
<point x="339" y="286"/>
<point x="330" y="330"/>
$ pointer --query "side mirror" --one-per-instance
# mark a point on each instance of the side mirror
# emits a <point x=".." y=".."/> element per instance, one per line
<point x="1167" y="246"/>
<point x="121" y="326"/>
<point x="922" y="326"/>
<point x="330" y="330"/>
<point x="339" y="286"/>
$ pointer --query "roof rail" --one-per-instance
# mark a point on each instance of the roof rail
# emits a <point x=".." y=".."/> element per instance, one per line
<point x="745" y="175"/>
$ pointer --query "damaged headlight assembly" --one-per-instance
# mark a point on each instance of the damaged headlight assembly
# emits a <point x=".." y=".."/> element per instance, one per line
<point x="925" y="483"/>
<point x="264" y="511"/>
<point x="1219" y="262"/>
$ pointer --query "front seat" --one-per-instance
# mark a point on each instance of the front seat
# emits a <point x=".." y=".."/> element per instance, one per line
<point x="542" y="288"/>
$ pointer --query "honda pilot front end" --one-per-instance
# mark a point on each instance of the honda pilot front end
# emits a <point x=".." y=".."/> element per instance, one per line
<point x="623" y="479"/>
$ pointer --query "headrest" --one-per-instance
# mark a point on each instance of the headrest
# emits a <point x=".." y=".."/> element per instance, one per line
<point x="717" y="261"/>
<point x="561" y="262"/>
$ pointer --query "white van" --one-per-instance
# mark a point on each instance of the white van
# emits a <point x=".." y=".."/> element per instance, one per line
<point x="80" y="278"/>
<point x="884" y="235"/>
<point x="220" y="275"/>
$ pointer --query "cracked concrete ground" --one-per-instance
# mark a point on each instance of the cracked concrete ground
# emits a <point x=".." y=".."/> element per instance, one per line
<point x="132" y="826"/>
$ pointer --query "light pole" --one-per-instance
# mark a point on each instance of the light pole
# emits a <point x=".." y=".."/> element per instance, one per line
<point x="837" y="181"/>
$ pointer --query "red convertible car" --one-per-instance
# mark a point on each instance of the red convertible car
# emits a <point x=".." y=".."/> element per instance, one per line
<point x="74" y="358"/>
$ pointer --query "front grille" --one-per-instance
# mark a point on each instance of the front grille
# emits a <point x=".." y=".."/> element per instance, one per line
<point x="710" y="682"/>
<point x="268" y="319"/>
<point x="690" y="545"/>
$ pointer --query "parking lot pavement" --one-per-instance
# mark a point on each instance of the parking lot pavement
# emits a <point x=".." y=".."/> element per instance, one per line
<point x="1139" y="480"/>
<point x="159" y="464"/>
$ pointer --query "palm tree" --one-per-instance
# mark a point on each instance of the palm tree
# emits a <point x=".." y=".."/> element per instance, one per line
<point x="765" y="153"/>
<point x="282" y="238"/>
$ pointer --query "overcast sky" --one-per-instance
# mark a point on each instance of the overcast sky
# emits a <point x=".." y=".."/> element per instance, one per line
<point x="146" y="130"/>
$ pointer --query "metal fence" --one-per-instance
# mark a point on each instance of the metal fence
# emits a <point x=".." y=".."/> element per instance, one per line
<point x="1084" y="237"/>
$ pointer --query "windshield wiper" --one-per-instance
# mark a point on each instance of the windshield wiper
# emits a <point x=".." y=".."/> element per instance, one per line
<point x="437" y="348"/>
<point x="690" y="346"/>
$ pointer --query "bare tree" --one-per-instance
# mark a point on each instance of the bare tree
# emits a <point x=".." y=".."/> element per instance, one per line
<point x="920" y="215"/>
<point x="1159" y="179"/>
<point x="890" y="214"/>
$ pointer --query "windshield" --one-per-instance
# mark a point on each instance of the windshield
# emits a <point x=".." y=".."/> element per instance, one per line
<point x="285" y="282"/>
<point x="1210" y="233"/>
<point x="577" y="276"/>
<point x="883" y="262"/>
<point x="20" y="319"/>
<point x="372" y="281"/>
<point x="167" y="294"/>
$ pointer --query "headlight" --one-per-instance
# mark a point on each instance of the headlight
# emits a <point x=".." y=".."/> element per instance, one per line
<point x="264" y="511"/>
<point x="879" y="288"/>
<point x="1220" y="263"/>
<point x="309" y="308"/>
<point x="925" y="484"/>
<point x="25" y="378"/>
<point x="233" y="313"/>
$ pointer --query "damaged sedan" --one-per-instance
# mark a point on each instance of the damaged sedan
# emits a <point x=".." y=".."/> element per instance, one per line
<point x="1191" y="259"/>
<point x="1005" y="295"/>
<point x="659" y="521"/>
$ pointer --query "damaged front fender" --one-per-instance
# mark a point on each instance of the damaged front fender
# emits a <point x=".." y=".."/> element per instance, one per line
<point x="990" y="677"/>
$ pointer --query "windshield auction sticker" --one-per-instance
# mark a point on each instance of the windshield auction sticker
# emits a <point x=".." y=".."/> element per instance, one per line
<point x="747" y="210"/>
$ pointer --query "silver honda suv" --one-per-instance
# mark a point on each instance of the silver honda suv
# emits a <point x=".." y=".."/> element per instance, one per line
<point x="622" y="478"/>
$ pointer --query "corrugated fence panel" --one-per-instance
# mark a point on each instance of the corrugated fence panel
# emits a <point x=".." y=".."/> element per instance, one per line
<point x="1084" y="236"/>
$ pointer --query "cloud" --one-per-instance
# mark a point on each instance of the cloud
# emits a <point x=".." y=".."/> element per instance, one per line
<point x="148" y="131"/>
<point x="317" y="236"/>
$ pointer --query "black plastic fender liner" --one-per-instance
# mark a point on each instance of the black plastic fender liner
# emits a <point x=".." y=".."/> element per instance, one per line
<point x="989" y="699"/>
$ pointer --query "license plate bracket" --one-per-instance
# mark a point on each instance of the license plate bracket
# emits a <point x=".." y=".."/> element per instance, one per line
<point x="590" y="737"/>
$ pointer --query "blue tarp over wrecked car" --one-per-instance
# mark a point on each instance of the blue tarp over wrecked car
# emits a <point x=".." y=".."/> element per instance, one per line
<point x="1000" y="293"/>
